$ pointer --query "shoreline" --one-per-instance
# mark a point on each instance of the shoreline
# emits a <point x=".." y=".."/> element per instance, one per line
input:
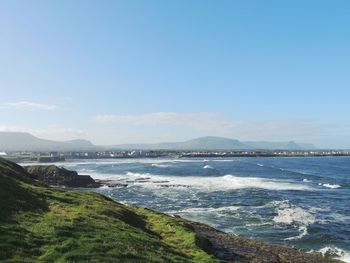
<point x="225" y="246"/>
<point x="65" y="203"/>
<point x="239" y="249"/>
<point x="66" y="157"/>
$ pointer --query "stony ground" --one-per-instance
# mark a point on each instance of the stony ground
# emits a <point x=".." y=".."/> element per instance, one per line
<point x="233" y="248"/>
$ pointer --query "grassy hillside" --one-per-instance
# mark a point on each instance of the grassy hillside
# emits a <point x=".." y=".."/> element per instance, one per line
<point x="42" y="224"/>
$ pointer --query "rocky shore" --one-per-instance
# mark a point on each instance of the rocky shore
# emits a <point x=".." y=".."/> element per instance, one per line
<point x="56" y="176"/>
<point x="222" y="246"/>
<point x="237" y="249"/>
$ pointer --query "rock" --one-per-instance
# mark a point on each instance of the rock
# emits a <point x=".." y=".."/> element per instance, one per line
<point x="174" y="185"/>
<point x="237" y="249"/>
<point x="140" y="180"/>
<point x="111" y="183"/>
<point x="56" y="176"/>
<point x="117" y="185"/>
<point x="160" y="181"/>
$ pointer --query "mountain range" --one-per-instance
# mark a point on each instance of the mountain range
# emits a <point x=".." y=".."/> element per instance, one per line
<point x="19" y="141"/>
<point x="219" y="143"/>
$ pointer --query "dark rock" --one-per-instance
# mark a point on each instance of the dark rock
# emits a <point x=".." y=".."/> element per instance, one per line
<point x="117" y="185"/>
<point x="111" y="183"/>
<point x="56" y="176"/>
<point x="231" y="248"/>
<point x="143" y="179"/>
<point x="160" y="181"/>
<point x="174" y="185"/>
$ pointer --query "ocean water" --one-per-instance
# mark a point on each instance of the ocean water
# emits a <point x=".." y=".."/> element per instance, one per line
<point x="300" y="202"/>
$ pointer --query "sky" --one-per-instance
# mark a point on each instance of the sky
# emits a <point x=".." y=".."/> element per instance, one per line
<point x="144" y="71"/>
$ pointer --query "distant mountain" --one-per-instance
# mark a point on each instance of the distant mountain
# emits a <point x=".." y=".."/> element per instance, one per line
<point x="291" y="145"/>
<point x="219" y="143"/>
<point x="203" y="143"/>
<point x="20" y="141"/>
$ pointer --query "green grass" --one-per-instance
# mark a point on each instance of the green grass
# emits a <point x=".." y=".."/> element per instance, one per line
<point x="43" y="224"/>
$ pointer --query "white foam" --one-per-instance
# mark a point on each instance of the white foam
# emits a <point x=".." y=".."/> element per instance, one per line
<point x="303" y="232"/>
<point x="224" y="183"/>
<point x="209" y="209"/>
<point x="230" y="182"/>
<point x="259" y="164"/>
<point x="105" y="176"/>
<point x="137" y="174"/>
<point x="288" y="214"/>
<point x="307" y="180"/>
<point x="236" y="182"/>
<point x="160" y="165"/>
<point x="207" y="167"/>
<point x="294" y="214"/>
<point x="332" y="186"/>
<point x="220" y="183"/>
<point x="335" y="252"/>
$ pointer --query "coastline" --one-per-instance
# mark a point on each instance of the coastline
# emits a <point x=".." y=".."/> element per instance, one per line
<point x="213" y="243"/>
<point x="236" y="249"/>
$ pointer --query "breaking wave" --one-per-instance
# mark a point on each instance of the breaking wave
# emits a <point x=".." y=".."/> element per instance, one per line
<point x="335" y="252"/>
<point x="160" y="165"/>
<point x="209" y="210"/>
<point x="307" y="180"/>
<point x="288" y="214"/>
<point x="223" y="183"/>
<point x="236" y="182"/>
<point x="332" y="186"/>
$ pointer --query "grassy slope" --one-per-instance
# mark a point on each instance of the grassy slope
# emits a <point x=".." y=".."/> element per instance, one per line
<point x="42" y="224"/>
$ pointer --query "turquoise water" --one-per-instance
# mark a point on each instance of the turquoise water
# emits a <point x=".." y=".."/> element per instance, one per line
<point x="300" y="202"/>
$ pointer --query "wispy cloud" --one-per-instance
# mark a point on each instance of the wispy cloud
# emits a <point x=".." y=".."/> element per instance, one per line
<point x="27" y="105"/>
<point x="215" y="124"/>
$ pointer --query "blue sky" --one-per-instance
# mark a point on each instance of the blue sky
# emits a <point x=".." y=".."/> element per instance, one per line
<point x="149" y="71"/>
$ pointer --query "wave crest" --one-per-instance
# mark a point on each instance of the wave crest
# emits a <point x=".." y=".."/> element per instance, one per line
<point x="332" y="186"/>
<point x="335" y="252"/>
<point x="236" y="182"/>
<point x="289" y="214"/>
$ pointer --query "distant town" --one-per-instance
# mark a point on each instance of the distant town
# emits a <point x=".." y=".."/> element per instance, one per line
<point x="55" y="156"/>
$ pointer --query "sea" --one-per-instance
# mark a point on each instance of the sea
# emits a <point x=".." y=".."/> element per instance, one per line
<point x="299" y="202"/>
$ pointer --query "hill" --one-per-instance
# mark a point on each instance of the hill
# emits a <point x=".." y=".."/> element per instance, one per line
<point x="203" y="143"/>
<point x="219" y="143"/>
<point x="291" y="145"/>
<point x="43" y="224"/>
<point x="20" y="141"/>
